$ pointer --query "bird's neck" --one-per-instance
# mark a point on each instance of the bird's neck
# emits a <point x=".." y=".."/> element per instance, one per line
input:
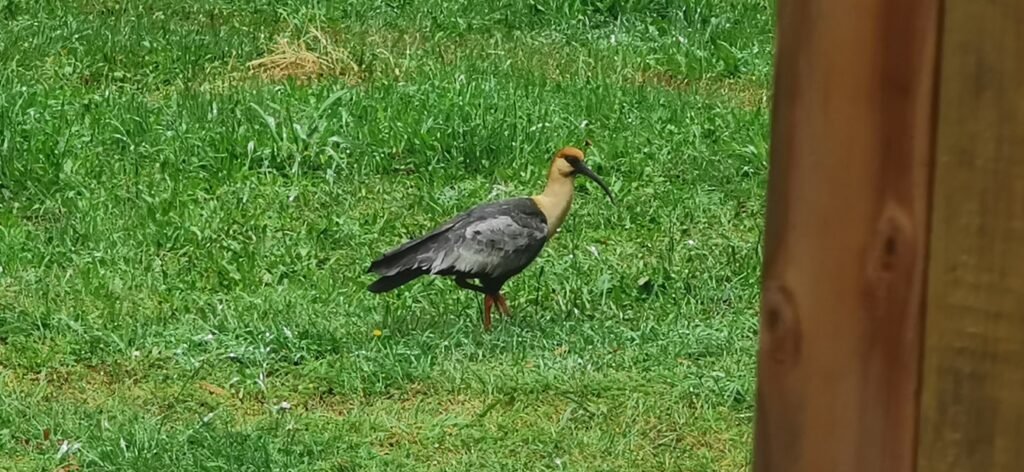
<point x="555" y="201"/>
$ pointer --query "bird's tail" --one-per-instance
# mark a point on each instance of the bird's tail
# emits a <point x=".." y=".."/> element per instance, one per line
<point x="402" y="264"/>
<point x="391" y="282"/>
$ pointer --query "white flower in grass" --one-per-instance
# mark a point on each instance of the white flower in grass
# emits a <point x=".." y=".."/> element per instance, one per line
<point x="67" y="448"/>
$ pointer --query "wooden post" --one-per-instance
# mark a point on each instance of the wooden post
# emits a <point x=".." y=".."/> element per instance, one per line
<point x="892" y="324"/>
<point x="847" y="232"/>
<point x="972" y="415"/>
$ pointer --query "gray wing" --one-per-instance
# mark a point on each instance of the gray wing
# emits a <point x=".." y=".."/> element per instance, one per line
<point x="494" y="240"/>
<point x="490" y="244"/>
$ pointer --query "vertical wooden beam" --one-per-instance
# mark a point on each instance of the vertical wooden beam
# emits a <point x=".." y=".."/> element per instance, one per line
<point x="972" y="407"/>
<point x="845" y="254"/>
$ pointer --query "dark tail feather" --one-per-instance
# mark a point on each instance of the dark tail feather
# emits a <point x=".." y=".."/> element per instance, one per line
<point x="400" y="265"/>
<point x="394" y="262"/>
<point x="391" y="282"/>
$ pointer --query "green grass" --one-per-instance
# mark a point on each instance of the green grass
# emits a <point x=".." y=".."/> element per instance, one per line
<point x="183" y="243"/>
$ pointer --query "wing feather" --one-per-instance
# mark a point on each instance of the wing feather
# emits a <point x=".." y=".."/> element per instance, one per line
<point x="494" y="240"/>
<point x="494" y="245"/>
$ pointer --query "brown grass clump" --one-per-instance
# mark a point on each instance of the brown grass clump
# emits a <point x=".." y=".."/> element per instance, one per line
<point x="312" y="57"/>
<point x="741" y="93"/>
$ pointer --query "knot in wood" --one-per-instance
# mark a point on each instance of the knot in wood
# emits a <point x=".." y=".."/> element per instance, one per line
<point x="780" y="325"/>
<point x="892" y="247"/>
<point x="889" y="274"/>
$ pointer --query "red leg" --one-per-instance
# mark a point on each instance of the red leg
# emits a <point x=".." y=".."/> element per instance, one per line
<point x="503" y="306"/>
<point x="488" y="303"/>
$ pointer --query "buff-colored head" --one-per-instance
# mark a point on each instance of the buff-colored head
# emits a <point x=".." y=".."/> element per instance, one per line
<point x="563" y="159"/>
<point x="568" y="162"/>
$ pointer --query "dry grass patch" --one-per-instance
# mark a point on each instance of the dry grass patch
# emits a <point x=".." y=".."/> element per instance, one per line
<point x="314" y="56"/>
<point x="744" y="94"/>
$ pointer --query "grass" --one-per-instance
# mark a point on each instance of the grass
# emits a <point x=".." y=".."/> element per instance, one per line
<point x="190" y="193"/>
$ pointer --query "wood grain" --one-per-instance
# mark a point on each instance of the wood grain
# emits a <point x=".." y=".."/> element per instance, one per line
<point x="844" y="268"/>
<point x="972" y="406"/>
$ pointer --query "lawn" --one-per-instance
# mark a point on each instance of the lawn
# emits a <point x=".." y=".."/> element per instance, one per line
<point x="191" y="192"/>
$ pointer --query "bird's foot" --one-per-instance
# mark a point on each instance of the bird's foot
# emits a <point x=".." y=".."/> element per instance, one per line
<point x="488" y="303"/>
<point x="503" y="305"/>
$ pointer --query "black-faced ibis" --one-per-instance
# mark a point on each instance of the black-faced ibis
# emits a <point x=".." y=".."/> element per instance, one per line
<point x="491" y="242"/>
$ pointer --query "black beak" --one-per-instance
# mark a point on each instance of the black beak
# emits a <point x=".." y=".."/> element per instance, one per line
<point x="582" y="168"/>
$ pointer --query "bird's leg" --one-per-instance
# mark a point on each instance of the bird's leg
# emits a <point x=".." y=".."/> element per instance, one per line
<point x="488" y="303"/>
<point x="502" y="304"/>
<point x="488" y="298"/>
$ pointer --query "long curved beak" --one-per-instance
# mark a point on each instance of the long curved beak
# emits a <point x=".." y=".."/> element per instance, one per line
<point x="583" y="169"/>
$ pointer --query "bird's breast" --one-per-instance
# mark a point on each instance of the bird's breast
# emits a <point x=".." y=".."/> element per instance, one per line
<point x="555" y="210"/>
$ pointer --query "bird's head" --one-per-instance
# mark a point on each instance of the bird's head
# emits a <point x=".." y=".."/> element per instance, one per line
<point x="569" y="162"/>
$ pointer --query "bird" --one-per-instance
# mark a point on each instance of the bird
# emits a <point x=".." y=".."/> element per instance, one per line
<point x="491" y="242"/>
